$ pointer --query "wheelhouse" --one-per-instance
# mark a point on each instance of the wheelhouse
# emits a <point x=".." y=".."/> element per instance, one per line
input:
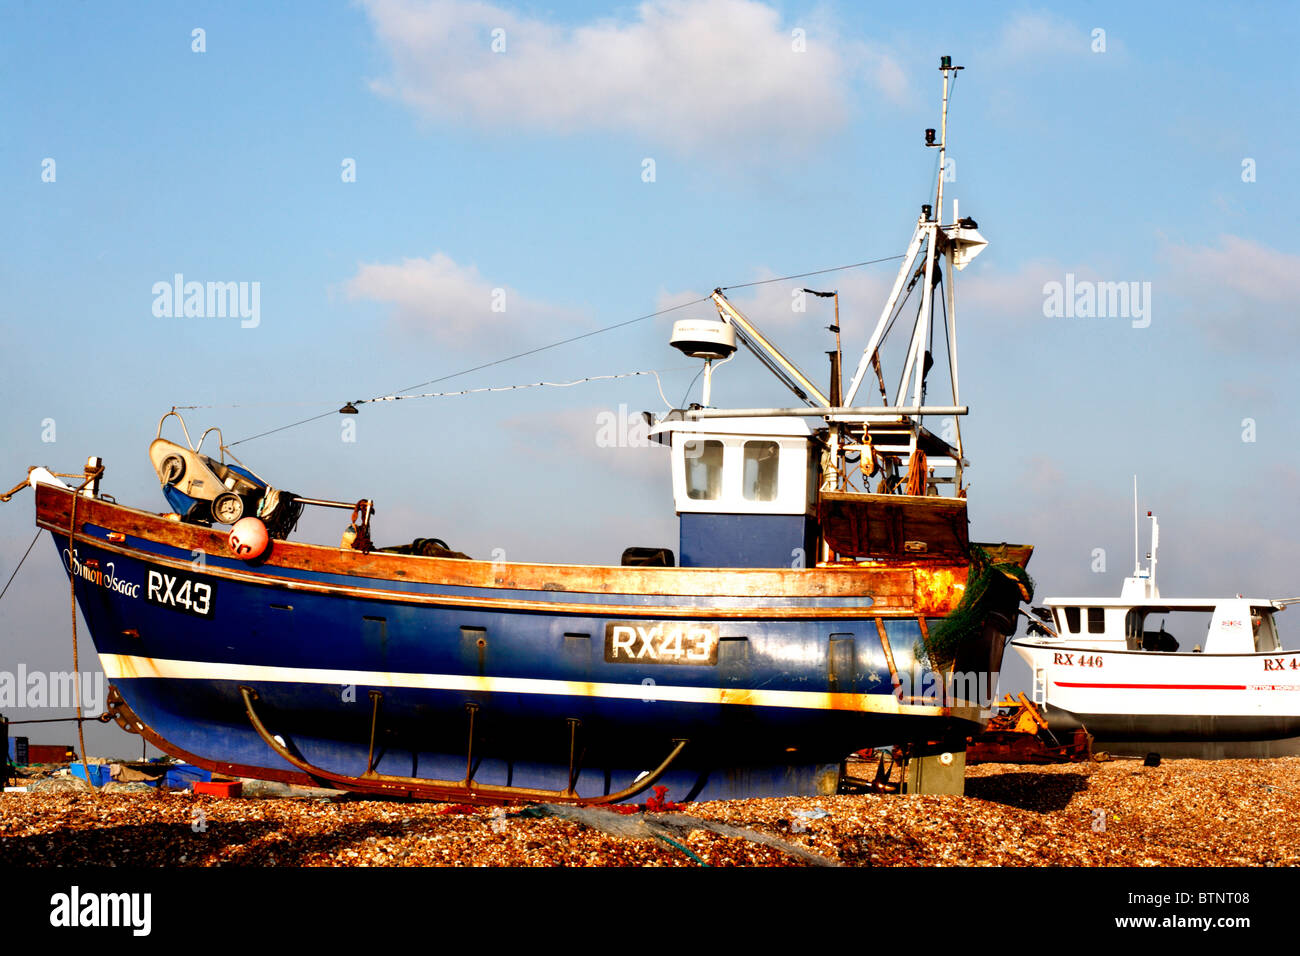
<point x="744" y="491"/>
<point x="1233" y="626"/>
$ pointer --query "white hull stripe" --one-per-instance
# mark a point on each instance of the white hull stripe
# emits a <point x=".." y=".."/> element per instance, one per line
<point x="123" y="666"/>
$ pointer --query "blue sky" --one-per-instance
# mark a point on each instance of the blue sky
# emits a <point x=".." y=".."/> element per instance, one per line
<point x="522" y="170"/>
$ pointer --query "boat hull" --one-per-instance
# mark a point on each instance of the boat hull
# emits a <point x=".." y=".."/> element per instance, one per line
<point x="370" y="668"/>
<point x="1177" y="704"/>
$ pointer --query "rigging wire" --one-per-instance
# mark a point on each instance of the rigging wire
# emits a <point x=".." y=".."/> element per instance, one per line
<point x="898" y="310"/>
<point x="20" y="564"/>
<point x="397" y="397"/>
<point x="952" y="372"/>
<point x="186" y="408"/>
<point x="304" y="421"/>
<point x="543" y="348"/>
<point x="476" y="368"/>
<point x="925" y="378"/>
<point x="571" y="339"/>
<point x="804" y="275"/>
<point x="511" y="388"/>
<point x="687" y="393"/>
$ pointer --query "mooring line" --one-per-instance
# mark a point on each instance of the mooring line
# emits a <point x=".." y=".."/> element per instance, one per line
<point x="72" y="600"/>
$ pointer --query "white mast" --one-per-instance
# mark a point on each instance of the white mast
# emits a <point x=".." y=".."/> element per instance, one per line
<point x="1142" y="585"/>
<point x="958" y="243"/>
<point x="888" y="438"/>
<point x="1155" y="544"/>
<point x="1137" y="560"/>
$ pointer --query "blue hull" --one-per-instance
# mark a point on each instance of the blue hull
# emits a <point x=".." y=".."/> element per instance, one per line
<point x="776" y="711"/>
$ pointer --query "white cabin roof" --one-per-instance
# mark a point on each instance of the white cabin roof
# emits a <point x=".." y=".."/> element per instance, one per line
<point x="1189" y="604"/>
<point x="784" y="426"/>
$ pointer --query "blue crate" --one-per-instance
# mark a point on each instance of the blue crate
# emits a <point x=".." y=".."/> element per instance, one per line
<point x="99" y="773"/>
<point x="180" y="776"/>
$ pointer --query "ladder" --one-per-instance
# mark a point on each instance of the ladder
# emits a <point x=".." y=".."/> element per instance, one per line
<point x="1040" y="686"/>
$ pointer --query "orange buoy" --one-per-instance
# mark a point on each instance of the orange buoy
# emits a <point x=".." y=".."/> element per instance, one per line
<point x="248" y="538"/>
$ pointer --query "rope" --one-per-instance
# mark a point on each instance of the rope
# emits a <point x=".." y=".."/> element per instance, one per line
<point x="673" y="843"/>
<point x="76" y="664"/>
<point x="72" y="602"/>
<point x="917" y="474"/>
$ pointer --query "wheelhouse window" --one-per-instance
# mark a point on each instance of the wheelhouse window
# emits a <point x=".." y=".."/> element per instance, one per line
<point x="1265" y="630"/>
<point x="1096" y="620"/>
<point x="1072" y="620"/>
<point x="1133" y="629"/>
<point x="703" y="469"/>
<point x="761" y="472"/>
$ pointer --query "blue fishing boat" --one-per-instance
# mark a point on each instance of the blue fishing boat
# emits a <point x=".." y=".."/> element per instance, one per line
<point x="821" y="598"/>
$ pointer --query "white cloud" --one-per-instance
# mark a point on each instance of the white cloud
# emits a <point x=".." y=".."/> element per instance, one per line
<point x="670" y="300"/>
<point x="612" y="438"/>
<point x="1243" y="266"/>
<point x="696" y="76"/>
<point x="1241" y="293"/>
<point x="454" y="303"/>
<point x="886" y="73"/>
<point x="1012" y="299"/>
<point x="1029" y="35"/>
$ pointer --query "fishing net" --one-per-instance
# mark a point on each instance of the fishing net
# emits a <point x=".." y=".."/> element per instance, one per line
<point x="992" y="587"/>
<point x="427" y="547"/>
<point x="279" y="511"/>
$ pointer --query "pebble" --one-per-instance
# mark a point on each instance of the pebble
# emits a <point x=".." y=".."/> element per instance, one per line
<point x="1120" y="813"/>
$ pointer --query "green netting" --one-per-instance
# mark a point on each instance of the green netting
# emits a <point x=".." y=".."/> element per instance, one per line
<point x="990" y="587"/>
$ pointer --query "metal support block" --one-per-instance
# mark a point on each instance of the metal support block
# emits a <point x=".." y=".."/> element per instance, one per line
<point x="934" y="769"/>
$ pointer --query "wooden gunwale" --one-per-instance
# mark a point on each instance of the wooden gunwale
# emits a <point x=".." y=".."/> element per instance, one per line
<point x="893" y="589"/>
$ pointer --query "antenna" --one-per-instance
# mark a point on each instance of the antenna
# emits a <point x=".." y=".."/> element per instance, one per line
<point x="947" y="69"/>
<point x="1137" y="560"/>
<point x="705" y="340"/>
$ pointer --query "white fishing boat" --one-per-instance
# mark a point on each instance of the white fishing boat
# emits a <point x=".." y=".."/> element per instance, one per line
<point x="1145" y="673"/>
